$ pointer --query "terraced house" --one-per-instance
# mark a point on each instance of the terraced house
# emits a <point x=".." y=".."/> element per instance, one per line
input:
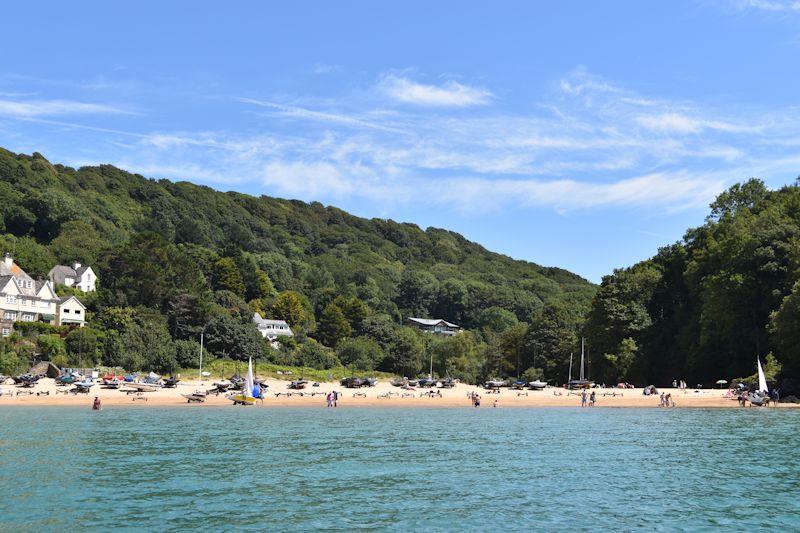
<point x="23" y="299"/>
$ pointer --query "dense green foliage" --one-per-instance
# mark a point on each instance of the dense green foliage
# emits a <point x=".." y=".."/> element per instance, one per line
<point x="704" y="308"/>
<point x="178" y="259"/>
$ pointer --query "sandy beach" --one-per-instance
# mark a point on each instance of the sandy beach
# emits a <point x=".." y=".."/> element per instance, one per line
<point x="46" y="393"/>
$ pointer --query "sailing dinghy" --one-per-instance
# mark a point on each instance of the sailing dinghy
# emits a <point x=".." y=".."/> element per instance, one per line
<point x="246" y="396"/>
<point x="760" y="396"/>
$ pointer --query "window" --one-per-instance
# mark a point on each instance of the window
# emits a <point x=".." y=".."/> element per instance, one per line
<point x="10" y="315"/>
<point x="11" y="299"/>
<point x="65" y="311"/>
<point x="77" y="311"/>
<point x="6" y="332"/>
<point x="27" y="317"/>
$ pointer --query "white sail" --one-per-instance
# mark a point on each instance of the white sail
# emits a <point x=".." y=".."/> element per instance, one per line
<point x="762" y="380"/>
<point x="249" y="382"/>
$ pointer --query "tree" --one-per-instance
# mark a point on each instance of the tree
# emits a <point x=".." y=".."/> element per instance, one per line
<point x="233" y="337"/>
<point x="289" y="306"/>
<point x="620" y="363"/>
<point x="404" y="355"/>
<point x="82" y="346"/>
<point x="314" y="355"/>
<point x="187" y="354"/>
<point x="333" y="326"/>
<point x="227" y="276"/>
<point x="785" y="333"/>
<point x="362" y="353"/>
<point x="496" y="319"/>
<point x="51" y="346"/>
<point x="417" y="292"/>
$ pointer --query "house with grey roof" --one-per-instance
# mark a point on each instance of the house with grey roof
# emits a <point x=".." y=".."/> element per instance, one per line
<point x="23" y="299"/>
<point x="272" y="329"/>
<point x="77" y="275"/>
<point x="434" y="325"/>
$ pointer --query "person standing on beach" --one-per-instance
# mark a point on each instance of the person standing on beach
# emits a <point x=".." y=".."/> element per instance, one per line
<point x="96" y="404"/>
<point x="592" y="398"/>
<point x="583" y="398"/>
<point x="329" y="397"/>
<point x="335" y="399"/>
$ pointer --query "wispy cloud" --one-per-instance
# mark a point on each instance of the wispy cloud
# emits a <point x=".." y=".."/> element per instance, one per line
<point x="449" y="94"/>
<point x="44" y="108"/>
<point x="776" y="6"/>
<point x="319" y="116"/>
<point x="587" y="143"/>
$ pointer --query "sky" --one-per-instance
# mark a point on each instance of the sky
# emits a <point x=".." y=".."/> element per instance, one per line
<point x="583" y="135"/>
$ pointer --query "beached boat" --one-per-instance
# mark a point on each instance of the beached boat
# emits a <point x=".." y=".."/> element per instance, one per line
<point x="760" y="396"/>
<point x="222" y="386"/>
<point x="246" y="397"/>
<point x="298" y="384"/>
<point x="427" y="382"/>
<point x="113" y="383"/>
<point x="537" y="384"/>
<point x="197" y="396"/>
<point x="82" y="387"/>
<point x="140" y="387"/>
<point x="171" y="383"/>
<point x="580" y="383"/>
<point x="494" y="384"/>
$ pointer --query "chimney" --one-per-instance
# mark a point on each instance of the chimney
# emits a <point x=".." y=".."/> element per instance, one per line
<point x="8" y="260"/>
<point x="76" y="266"/>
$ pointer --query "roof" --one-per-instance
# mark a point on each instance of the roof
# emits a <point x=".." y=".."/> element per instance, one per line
<point x="268" y="322"/>
<point x="65" y="299"/>
<point x="13" y="270"/>
<point x="433" y="322"/>
<point x="60" y="272"/>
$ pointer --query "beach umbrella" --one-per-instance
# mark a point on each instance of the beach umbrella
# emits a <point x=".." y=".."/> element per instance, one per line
<point x="721" y="382"/>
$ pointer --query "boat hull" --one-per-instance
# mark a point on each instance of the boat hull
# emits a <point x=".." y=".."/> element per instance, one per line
<point x="241" y="399"/>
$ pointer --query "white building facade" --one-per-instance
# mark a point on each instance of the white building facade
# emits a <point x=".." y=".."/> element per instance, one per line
<point x="23" y="299"/>
<point x="272" y="329"/>
<point x="77" y="275"/>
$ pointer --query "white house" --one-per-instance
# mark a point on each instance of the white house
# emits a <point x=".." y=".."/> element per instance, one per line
<point x="272" y="329"/>
<point x="23" y="299"/>
<point x="434" y="325"/>
<point x="70" y="311"/>
<point x="77" y="275"/>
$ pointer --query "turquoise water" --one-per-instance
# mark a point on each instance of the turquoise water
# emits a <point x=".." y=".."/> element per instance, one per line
<point x="376" y="469"/>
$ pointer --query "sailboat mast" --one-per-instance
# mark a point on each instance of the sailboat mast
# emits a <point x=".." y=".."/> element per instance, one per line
<point x="569" y="378"/>
<point x="581" y="358"/>
<point x="201" y="358"/>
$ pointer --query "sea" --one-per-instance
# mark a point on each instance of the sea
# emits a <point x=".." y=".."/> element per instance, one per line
<point x="286" y="469"/>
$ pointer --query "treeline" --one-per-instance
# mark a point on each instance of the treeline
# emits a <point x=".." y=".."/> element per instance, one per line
<point x="175" y="260"/>
<point x="704" y="308"/>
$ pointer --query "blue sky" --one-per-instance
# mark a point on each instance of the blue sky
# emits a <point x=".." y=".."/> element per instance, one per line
<point x="575" y="134"/>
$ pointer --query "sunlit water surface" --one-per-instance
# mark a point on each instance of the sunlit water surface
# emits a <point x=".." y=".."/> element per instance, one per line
<point x="383" y="468"/>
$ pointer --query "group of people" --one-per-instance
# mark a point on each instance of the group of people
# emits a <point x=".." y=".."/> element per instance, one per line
<point x="666" y="400"/>
<point x="588" y="399"/>
<point x="476" y="399"/>
<point x="333" y="398"/>
<point x="679" y="384"/>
